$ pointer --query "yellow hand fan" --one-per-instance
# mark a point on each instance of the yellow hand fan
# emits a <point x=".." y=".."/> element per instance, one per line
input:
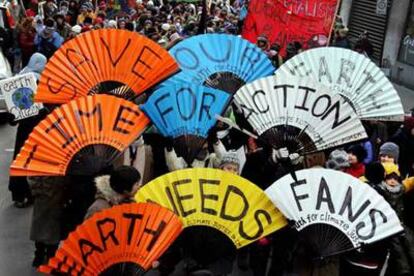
<point x="100" y="61"/>
<point x="123" y="240"/>
<point x="210" y="197"/>
<point x="81" y="137"/>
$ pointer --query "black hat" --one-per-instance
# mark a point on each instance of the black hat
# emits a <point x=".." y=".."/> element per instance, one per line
<point x="358" y="151"/>
<point x="122" y="179"/>
<point x="374" y="172"/>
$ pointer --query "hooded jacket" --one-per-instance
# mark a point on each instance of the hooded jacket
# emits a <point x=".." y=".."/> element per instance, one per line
<point x="36" y="65"/>
<point x="105" y="197"/>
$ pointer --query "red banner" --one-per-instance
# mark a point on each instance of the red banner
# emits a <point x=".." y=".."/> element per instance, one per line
<point x="284" y="21"/>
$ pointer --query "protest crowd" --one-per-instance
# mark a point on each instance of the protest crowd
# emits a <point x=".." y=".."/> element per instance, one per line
<point x="381" y="162"/>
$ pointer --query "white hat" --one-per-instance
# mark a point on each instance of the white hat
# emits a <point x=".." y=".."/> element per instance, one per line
<point x="165" y="26"/>
<point x="76" y="29"/>
<point x="112" y="24"/>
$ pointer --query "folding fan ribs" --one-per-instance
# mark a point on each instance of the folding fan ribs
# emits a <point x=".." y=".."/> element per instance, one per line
<point x="298" y="113"/>
<point x="125" y="238"/>
<point x="100" y="61"/>
<point x="220" y="61"/>
<point x="186" y="112"/>
<point x="210" y="197"/>
<point x="333" y="210"/>
<point x="355" y="77"/>
<point x="86" y="134"/>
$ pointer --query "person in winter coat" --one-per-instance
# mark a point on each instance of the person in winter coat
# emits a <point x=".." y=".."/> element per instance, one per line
<point x="371" y="258"/>
<point x="25" y="38"/>
<point x="404" y="138"/>
<point x="401" y="247"/>
<point x="356" y="156"/>
<point x="17" y="184"/>
<point x="378" y="136"/>
<point x="341" y="39"/>
<point x="49" y="40"/>
<point x="48" y="193"/>
<point x="62" y="28"/>
<point x="115" y="188"/>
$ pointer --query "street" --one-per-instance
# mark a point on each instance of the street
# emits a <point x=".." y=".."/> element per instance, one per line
<point x="16" y="248"/>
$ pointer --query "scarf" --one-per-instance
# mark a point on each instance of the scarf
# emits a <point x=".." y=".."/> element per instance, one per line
<point x="392" y="189"/>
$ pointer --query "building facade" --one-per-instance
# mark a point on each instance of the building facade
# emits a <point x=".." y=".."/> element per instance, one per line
<point x="390" y="24"/>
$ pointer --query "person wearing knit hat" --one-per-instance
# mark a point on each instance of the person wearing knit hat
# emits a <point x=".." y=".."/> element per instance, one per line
<point x="338" y="160"/>
<point x="230" y="162"/>
<point x="356" y="156"/>
<point x="389" y="153"/>
<point x="117" y="187"/>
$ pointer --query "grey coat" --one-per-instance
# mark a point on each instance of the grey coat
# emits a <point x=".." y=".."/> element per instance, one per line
<point x="48" y="193"/>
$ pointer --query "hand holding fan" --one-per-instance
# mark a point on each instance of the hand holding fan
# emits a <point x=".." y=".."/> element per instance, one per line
<point x="298" y="113"/>
<point x="210" y="197"/>
<point x="186" y="113"/>
<point x="80" y="137"/>
<point x="220" y="61"/>
<point x="100" y="61"/>
<point x="126" y="238"/>
<point x="359" y="80"/>
<point x="334" y="211"/>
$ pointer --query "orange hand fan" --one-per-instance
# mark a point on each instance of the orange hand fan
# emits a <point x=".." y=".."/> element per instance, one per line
<point x="80" y="137"/>
<point x="126" y="238"/>
<point x="100" y="61"/>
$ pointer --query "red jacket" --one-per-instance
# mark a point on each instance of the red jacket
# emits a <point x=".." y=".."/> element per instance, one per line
<point x="356" y="170"/>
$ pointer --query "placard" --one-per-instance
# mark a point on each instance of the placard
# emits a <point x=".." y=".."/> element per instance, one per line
<point x="19" y="93"/>
<point x="284" y="21"/>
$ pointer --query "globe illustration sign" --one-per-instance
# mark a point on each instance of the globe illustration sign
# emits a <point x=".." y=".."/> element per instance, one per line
<point x="19" y="92"/>
<point x="23" y="97"/>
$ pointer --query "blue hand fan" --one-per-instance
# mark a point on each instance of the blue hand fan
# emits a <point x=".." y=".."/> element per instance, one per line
<point x="220" y="61"/>
<point x="186" y="112"/>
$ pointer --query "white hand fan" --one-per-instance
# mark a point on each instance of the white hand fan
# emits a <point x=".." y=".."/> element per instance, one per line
<point x="298" y="113"/>
<point x="354" y="76"/>
<point x="333" y="210"/>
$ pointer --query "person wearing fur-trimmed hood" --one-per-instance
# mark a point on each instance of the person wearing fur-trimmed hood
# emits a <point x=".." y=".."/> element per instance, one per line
<point x="115" y="188"/>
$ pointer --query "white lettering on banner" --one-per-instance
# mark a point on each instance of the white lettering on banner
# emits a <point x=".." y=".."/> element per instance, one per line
<point x="304" y="8"/>
<point x="344" y="214"/>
